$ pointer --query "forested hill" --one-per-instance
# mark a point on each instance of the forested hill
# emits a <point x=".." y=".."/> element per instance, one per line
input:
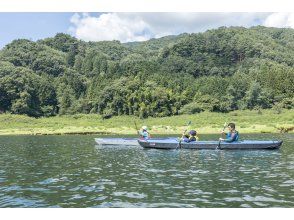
<point x="219" y="70"/>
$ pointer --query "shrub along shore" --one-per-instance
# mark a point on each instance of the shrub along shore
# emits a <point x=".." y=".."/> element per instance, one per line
<point x="255" y="121"/>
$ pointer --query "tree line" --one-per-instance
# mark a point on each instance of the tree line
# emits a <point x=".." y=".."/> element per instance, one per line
<point x="219" y="70"/>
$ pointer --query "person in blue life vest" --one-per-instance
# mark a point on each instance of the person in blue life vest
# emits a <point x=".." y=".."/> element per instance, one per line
<point x="144" y="133"/>
<point x="191" y="136"/>
<point x="232" y="135"/>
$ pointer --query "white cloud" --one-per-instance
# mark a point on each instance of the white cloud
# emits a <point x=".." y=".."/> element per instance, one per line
<point x="280" y="19"/>
<point x="127" y="27"/>
<point x="162" y="24"/>
<point x="109" y="26"/>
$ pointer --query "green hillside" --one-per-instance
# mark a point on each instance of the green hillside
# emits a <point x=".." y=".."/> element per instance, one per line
<point x="220" y="70"/>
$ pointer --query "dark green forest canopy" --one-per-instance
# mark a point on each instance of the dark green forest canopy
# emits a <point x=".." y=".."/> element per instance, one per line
<point x="220" y="70"/>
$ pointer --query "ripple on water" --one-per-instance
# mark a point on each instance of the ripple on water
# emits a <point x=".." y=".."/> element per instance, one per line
<point x="162" y="184"/>
<point x="199" y="171"/>
<point x="234" y="199"/>
<point x="100" y="198"/>
<point x="91" y="189"/>
<point x="231" y="191"/>
<point x="37" y="189"/>
<point x="77" y="196"/>
<point x="228" y="180"/>
<point x="288" y="183"/>
<point x="49" y="181"/>
<point x="106" y="182"/>
<point x="133" y="195"/>
<point x="245" y="205"/>
<point x="260" y="204"/>
<point x="120" y="204"/>
<point x="13" y="201"/>
<point x="11" y="188"/>
<point x="261" y="199"/>
<point x="155" y="171"/>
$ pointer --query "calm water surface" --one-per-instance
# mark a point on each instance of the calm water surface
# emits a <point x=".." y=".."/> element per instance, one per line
<point x="70" y="171"/>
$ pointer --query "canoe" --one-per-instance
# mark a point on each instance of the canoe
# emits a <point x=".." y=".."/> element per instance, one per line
<point x="122" y="141"/>
<point x="117" y="141"/>
<point x="239" y="145"/>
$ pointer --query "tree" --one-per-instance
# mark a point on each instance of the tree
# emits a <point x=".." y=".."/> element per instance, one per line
<point x="70" y="57"/>
<point x="61" y="41"/>
<point x="4" y="99"/>
<point x="66" y="100"/>
<point x="257" y="97"/>
<point x="26" y="104"/>
<point x="52" y="65"/>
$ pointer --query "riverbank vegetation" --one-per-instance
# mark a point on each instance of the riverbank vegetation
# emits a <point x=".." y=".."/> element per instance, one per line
<point x="220" y="70"/>
<point x="255" y="121"/>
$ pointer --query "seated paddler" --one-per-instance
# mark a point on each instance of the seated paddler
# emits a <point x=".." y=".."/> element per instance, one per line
<point x="191" y="136"/>
<point x="144" y="133"/>
<point x="232" y="135"/>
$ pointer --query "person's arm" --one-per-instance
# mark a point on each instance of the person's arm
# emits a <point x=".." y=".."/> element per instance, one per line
<point x="223" y="133"/>
<point x="148" y="135"/>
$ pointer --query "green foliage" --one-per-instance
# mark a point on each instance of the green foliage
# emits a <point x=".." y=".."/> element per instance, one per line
<point x="19" y="93"/>
<point x="66" y="100"/>
<point x="287" y="103"/>
<point x="52" y="65"/>
<point x="61" y="41"/>
<point x="25" y="104"/>
<point x="220" y="70"/>
<point x="39" y="58"/>
<point x="257" y="97"/>
<point x="191" y="108"/>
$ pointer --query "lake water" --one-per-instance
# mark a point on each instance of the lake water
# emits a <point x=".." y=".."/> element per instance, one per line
<point x="70" y="171"/>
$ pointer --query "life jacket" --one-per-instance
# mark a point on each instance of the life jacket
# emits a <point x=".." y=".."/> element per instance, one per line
<point x="145" y="134"/>
<point x="189" y="139"/>
<point x="192" y="138"/>
<point x="236" y="136"/>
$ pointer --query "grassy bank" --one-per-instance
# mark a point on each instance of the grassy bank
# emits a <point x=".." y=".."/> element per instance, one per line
<point x="205" y="122"/>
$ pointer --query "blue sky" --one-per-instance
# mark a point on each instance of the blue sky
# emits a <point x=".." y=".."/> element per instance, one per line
<point x="32" y="25"/>
<point x="127" y="27"/>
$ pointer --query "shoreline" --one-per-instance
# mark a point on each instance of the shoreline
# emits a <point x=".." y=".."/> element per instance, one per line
<point x="205" y="123"/>
<point x="121" y="134"/>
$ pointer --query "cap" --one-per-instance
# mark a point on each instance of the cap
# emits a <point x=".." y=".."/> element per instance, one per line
<point x="193" y="132"/>
<point x="144" y="128"/>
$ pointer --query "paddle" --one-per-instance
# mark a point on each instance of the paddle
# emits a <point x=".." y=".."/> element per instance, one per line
<point x="179" y="144"/>
<point x="136" y="127"/>
<point x="218" y="146"/>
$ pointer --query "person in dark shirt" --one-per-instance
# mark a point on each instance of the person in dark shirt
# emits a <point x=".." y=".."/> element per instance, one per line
<point x="191" y="136"/>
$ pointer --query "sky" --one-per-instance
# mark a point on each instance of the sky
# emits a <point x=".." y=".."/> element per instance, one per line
<point x="127" y="27"/>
